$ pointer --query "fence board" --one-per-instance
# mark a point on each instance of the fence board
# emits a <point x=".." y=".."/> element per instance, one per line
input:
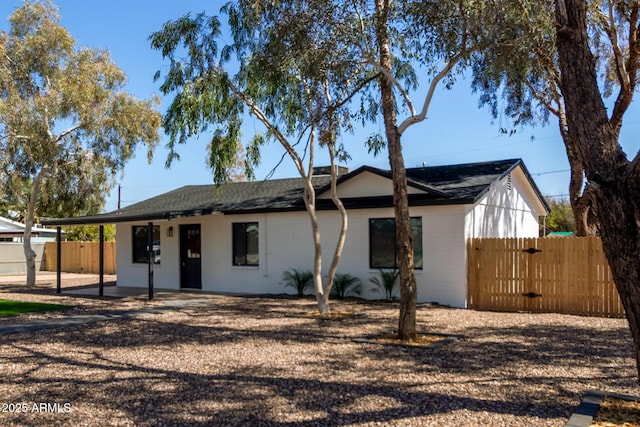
<point x="81" y="257"/>
<point x="566" y="275"/>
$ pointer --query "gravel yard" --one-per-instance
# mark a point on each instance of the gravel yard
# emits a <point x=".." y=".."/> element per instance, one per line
<point x="254" y="361"/>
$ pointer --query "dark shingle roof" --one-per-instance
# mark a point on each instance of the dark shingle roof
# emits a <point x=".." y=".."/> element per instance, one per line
<point x="463" y="183"/>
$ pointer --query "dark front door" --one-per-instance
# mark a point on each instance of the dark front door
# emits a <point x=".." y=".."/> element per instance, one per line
<point x="190" y="264"/>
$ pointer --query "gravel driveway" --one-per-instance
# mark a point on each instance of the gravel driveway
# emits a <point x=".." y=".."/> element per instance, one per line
<point x="255" y="361"/>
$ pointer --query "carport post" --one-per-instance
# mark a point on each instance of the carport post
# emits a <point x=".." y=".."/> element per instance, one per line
<point x="101" y="286"/>
<point x="150" y="256"/>
<point x="58" y="259"/>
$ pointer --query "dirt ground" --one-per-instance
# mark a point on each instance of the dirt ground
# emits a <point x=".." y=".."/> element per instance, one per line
<point x="221" y="360"/>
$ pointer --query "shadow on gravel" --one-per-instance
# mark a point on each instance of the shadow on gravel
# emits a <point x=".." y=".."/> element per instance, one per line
<point x="151" y="396"/>
<point x="259" y="394"/>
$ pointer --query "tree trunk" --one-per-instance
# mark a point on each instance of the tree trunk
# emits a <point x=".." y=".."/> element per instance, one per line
<point x="321" y="297"/>
<point x="408" y="292"/>
<point x="579" y="197"/>
<point x="29" y="220"/>
<point x="337" y="253"/>
<point x="614" y="181"/>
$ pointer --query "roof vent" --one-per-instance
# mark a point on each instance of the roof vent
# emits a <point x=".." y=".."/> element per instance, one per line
<point x="326" y="170"/>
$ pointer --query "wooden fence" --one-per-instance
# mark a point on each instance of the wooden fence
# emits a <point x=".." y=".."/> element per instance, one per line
<point x="563" y="275"/>
<point x="81" y="257"/>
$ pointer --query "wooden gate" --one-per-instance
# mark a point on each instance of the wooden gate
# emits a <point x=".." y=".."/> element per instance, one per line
<point x="561" y="275"/>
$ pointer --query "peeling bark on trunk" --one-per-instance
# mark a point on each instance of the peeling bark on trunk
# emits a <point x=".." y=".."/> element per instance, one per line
<point x="586" y="222"/>
<point x="29" y="253"/>
<point x="614" y="181"/>
<point x="309" y="197"/>
<point x="337" y="253"/>
<point x="408" y="291"/>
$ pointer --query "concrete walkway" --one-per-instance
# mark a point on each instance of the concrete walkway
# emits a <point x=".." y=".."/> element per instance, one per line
<point x="36" y="325"/>
<point x="173" y="302"/>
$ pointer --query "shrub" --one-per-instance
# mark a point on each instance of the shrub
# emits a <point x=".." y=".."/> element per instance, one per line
<point x="297" y="279"/>
<point x="345" y="285"/>
<point x="386" y="283"/>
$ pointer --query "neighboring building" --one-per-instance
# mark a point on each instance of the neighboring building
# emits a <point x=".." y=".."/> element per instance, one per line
<point x="12" y="231"/>
<point x="241" y="237"/>
<point x="560" y="234"/>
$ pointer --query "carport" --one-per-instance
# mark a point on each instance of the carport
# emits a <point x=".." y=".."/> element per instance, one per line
<point x="101" y="221"/>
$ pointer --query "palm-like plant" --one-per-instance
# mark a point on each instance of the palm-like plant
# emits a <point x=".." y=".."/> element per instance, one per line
<point x="386" y="283"/>
<point x="345" y="285"/>
<point x="297" y="279"/>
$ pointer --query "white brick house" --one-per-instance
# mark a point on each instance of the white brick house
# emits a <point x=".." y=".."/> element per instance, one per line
<point x="242" y="238"/>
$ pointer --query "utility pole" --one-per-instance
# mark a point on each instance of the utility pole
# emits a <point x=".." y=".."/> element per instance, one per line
<point x="119" y="189"/>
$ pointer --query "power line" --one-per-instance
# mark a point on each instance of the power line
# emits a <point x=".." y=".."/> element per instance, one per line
<point x="549" y="172"/>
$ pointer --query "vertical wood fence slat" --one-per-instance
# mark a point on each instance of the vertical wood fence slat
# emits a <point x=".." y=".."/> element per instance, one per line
<point x="567" y="275"/>
<point x="81" y="257"/>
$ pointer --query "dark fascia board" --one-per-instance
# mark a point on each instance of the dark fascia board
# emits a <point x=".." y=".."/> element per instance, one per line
<point x="354" y="203"/>
<point x="106" y="219"/>
<point x="386" y="174"/>
<point x="114" y="218"/>
<point x="351" y="203"/>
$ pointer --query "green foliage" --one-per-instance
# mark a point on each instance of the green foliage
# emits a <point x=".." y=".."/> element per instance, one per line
<point x="64" y="118"/>
<point x="283" y="65"/>
<point x="90" y="233"/>
<point x="345" y="285"/>
<point x="385" y="283"/>
<point x="561" y="216"/>
<point x="297" y="279"/>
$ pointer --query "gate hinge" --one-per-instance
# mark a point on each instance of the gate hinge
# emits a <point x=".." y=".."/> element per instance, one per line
<point x="531" y="295"/>
<point x="532" y="250"/>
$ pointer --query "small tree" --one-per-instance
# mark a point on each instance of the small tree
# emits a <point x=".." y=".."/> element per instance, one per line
<point x="91" y="233"/>
<point x="66" y="126"/>
<point x="561" y="216"/>
<point x="285" y="76"/>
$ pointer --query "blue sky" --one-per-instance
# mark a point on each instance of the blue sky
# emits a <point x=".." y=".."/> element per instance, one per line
<point x="456" y="131"/>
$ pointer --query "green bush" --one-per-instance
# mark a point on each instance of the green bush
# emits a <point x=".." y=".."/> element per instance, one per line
<point x="297" y="279"/>
<point x="345" y="285"/>
<point x="385" y="283"/>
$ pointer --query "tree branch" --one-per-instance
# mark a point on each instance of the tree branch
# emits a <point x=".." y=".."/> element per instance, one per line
<point x="417" y="118"/>
<point x="394" y="82"/>
<point x="356" y="90"/>
<point x="67" y="132"/>
<point x="625" y="94"/>
<point x="272" y="128"/>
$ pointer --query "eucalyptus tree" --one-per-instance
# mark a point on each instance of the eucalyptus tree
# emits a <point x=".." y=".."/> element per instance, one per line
<point x="66" y="125"/>
<point x="579" y="61"/>
<point x="281" y="68"/>
<point x="614" y="178"/>
<point x="413" y="44"/>
<point x="522" y="80"/>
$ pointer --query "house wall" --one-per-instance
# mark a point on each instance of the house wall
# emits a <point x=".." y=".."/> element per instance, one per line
<point x="285" y="242"/>
<point x="366" y="184"/>
<point x="509" y="209"/>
